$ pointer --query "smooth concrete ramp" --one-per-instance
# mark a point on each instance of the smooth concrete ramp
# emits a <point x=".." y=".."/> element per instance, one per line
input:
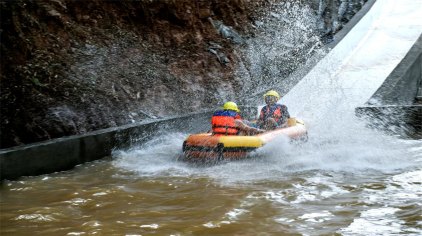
<point x="350" y="74"/>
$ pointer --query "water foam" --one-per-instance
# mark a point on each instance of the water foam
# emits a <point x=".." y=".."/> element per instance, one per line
<point x="348" y="150"/>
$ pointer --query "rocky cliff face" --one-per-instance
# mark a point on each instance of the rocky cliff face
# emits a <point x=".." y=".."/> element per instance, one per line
<point x="70" y="67"/>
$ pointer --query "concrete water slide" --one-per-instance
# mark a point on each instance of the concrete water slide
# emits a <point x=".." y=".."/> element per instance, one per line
<point x="343" y="80"/>
<point x="352" y="72"/>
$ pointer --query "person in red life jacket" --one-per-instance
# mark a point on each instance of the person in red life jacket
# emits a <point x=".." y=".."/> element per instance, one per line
<point x="228" y="122"/>
<point x="273" y="115"/>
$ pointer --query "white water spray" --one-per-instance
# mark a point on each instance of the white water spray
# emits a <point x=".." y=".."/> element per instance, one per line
<point x="325" y="99"/>
<point x="286" y="36"/>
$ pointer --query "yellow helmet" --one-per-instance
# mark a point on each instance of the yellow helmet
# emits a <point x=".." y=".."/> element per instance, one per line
<point x="231" y="106"/>
<point x="272" y="93"/>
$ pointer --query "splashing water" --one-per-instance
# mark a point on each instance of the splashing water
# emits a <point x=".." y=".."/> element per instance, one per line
<point x="345" y="179"/>
<point x="337" y="148"/>
<point x="317" y="185"/>
<point x="339" y="141"/>
<point x="286" y="36"/>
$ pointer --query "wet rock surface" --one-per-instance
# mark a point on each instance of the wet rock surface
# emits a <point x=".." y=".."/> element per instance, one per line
<point x="70" y="67"/>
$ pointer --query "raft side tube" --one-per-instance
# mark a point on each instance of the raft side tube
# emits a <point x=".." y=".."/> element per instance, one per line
<point x="202" y="153"/>
<point x="211" y="141"/>
<point x="209" y="147"/>
<point x="231" y="142"/>
<point x="195" y="153"/>
<point x="293" y="132"/>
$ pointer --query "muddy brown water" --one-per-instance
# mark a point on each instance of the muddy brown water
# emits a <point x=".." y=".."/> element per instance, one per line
<point x="323" y="187"/>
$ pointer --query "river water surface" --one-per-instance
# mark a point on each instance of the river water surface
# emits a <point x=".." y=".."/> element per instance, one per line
<point x="359" y="182"/>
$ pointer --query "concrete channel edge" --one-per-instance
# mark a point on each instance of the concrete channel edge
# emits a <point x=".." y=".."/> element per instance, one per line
<point x="394" y="106"/>
<point x="65" y="153"/>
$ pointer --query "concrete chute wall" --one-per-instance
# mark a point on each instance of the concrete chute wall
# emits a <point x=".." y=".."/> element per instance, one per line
<point x="64" y="153"/>
<point x="393" y="106"/>
<point x="357" y="67"/>
<point x="401" y="86"/>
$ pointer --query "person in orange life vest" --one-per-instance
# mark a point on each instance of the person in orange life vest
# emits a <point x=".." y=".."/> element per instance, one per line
<point x="273" y="115"/>
<point x="228" y="122"/>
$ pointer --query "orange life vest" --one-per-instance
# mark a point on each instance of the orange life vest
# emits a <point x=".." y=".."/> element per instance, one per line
<point x="276" y="112"/>
<point x="223" y="122"/>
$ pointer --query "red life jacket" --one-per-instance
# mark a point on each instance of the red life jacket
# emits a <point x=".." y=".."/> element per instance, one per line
<point x="223" y="122"/>
<point x="274" y="112"/>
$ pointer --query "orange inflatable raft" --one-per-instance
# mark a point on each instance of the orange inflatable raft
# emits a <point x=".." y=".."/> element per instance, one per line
<point x="209" y="147"/>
